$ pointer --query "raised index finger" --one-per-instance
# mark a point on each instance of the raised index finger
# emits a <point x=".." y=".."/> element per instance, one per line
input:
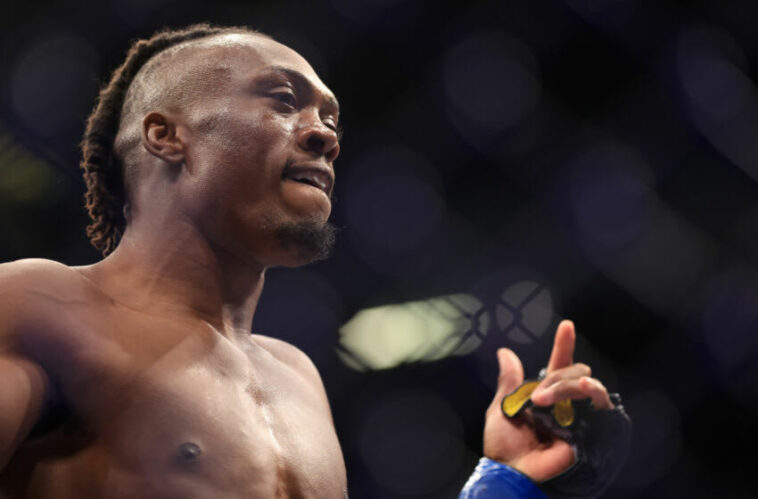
<point x="563" y="346"/>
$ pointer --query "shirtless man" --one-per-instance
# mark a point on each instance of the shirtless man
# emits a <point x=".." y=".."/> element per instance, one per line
<point x="208" y="159"/>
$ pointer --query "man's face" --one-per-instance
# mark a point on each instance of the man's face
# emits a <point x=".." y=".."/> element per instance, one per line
<point x="261" y="144"/>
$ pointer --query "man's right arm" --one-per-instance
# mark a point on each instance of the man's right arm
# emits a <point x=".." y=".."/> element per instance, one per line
<point x="23" y="382"/>
<point x="22" y="392"/>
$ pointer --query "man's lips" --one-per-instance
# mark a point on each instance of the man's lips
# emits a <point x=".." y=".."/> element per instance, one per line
<point x="317" y="175"/>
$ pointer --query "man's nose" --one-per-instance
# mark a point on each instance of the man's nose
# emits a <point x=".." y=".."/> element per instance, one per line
<point x="319" y="139"/>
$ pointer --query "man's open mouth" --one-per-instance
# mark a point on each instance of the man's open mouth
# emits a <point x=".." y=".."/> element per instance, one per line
<point x="316" y="176"/>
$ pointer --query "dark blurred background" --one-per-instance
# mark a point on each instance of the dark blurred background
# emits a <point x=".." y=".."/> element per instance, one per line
<point x="505" y="165"/>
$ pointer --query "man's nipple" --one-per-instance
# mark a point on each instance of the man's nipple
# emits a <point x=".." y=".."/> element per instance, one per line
<point x="189" y="452"/>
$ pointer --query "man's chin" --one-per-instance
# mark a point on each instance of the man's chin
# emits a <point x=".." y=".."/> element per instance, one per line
<point x="306" y="241"/>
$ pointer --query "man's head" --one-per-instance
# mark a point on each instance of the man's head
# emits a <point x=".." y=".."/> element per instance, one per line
<point x="231" y="130"/>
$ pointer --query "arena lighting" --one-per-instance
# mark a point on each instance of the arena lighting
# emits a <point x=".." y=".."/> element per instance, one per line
<point x="452" y="325"/>
<point x="390" y="335"/>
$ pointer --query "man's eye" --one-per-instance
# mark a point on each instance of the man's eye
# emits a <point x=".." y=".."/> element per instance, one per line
<point x="331" y="124"/>
<point x="337" y="129"/>
<point x="287" y="98"/>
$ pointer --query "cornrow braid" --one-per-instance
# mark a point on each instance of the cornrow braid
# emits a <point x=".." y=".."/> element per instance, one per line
<point x="102" y="170"/>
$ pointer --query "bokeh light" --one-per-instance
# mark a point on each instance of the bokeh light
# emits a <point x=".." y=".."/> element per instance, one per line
<point x="490" y="86"/>
<point x="24" y="178"/>
<point x="390" y="335"/>
<point x="721" y="99"/>
<point x="392" y="203"/>
<point x="730" y="317"/>
<point x="610" y="194"/>
<point x="629" y="233"/>
<point x="53" y="83"/>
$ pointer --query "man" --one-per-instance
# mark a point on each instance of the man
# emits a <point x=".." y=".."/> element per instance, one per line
<point x="209" y="158"/>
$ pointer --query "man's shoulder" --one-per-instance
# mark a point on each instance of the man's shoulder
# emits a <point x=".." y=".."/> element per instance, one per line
<point x="289" y="355"/>
<point x="299" y="362"/>
<point x="30" y="274"/>
<point x="33" y="288"/>
<point x="34" y="266"/>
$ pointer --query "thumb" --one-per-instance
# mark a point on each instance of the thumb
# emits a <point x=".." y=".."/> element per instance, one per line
<point x="511" y="372"/>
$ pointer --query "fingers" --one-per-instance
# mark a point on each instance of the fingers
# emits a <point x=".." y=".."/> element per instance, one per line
<point x="511" y="372"/>
<point x="573" y="371"/>
<point x="580" y="388"/>
<point x="566" y="380"/>
<point x="563" y="346"/>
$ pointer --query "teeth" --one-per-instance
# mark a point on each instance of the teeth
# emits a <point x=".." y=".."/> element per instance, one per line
<point x="310" y="178"/>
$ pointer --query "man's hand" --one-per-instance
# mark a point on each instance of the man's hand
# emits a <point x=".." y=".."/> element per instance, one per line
<point x="516" y="442"/>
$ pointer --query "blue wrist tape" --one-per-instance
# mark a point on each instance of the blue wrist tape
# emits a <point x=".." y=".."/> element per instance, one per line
<point x="492" y="480"/>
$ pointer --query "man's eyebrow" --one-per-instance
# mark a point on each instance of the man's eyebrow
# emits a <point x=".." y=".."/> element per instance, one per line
<point x="301" y="80"/>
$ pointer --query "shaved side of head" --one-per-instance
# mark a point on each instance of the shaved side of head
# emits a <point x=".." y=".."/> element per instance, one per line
<point x="117" y="113"/>
<point x="171" y="81"/>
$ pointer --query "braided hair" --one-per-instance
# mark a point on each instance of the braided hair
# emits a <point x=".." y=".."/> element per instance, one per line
<point x="102" y="167"/>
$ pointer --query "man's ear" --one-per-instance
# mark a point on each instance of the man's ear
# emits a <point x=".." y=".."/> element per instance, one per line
<point x="126" y="210"/>
<point x="159" y="135"/>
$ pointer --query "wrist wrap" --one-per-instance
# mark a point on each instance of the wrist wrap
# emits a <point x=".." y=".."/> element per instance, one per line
<point x="493" y="480"/>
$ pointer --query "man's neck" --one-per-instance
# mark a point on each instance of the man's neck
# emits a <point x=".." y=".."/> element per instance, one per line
<point x="179" y="272"/>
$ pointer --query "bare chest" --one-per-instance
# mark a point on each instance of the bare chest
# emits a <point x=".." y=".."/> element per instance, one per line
<point x="194" y="416"/>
